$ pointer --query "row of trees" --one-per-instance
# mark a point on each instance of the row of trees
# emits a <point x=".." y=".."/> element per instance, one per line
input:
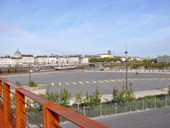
<point x="147" y="64"/>
<point x="93" y="99"/>
<point x="106" y="59"/>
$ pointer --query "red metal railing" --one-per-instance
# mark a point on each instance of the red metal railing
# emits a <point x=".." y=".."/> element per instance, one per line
<point x="13" y="104"/>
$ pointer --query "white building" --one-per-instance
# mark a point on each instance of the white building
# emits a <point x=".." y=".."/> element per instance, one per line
<point x="105" y="55"/>
<point x="28" y="60"/>
<point x="41" y="60"/>
<point x="52" y="59"/>
<point x="16" y="61"/>
<point x="123" y="58"/>
<point x="5" y="61"/>
<point x="84" y="60"/>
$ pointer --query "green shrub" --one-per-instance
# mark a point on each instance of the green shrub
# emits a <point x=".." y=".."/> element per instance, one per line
<point x="18" y="83"/>
<point x="32" y="84"/>
<point x="124" y="95"/>
<point x="61" y="98"/>
<point x="92" y="100"/>
<point x="78" y="99"/>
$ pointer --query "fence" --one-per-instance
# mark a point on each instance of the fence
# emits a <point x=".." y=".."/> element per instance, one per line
<point x="117" y="108"/>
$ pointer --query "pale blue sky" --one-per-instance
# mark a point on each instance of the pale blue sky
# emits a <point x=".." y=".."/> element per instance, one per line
<point x="85" y="27"/>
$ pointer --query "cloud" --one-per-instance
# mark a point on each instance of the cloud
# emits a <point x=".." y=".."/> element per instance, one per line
<point x="10" y="29"/>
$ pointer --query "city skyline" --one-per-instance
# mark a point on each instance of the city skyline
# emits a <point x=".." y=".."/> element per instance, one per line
<point x="85" y="27"/>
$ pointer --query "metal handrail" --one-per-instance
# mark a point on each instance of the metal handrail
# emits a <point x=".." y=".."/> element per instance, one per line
<point x="50" y="112"/>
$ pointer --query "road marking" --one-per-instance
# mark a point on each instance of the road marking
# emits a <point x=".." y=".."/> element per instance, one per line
<point x="131" y="79"/>
<point x="149" y="79"/>
<point x="94" y="82"/>
<point x="87" y="82"/>
<point x="119" y="80"/>
<point x="100" y="81"/>
<point x="112" y="80"/>
<point x="135" y="79"/>
<point x="141" y="79"/>
<point x="123" y="79"/>
<point x="59" y="83"/>
<point x="74" y="83"/>
<point x="81" y="82"/>
<point x="106" y="81"/>
<point x="162" y="78"/>
<point x="52" y="84"/>
<point x="67" y="83"/>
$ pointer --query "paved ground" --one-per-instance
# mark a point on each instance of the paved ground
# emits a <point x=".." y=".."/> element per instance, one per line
<point x="88" y="81"/>
<point x="158" y="118"/>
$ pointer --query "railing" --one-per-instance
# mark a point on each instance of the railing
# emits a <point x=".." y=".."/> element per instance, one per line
<point x="119" y="108"/>
<point x="16" y="101"/>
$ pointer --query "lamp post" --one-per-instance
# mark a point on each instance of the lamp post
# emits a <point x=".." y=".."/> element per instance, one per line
<point x="30" y="75"/>
<point x="126" y="52"/>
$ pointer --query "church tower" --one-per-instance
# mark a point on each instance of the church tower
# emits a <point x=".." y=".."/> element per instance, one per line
<point x="109" y="51"/>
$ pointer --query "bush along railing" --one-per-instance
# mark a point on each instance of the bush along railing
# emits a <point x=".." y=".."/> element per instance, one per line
<point x="21" y="108"/>
<point x="123" y="107"/>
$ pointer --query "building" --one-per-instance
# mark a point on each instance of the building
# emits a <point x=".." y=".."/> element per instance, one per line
<point x="5" y="61"/>
<point x="17" y="53"/>
<point x="28" y="60"/>
<point x="52" y="60"/>
<point x="16" y="61"/>
<point x="41" y="60"/>
<point x="108" y="55"/>
<point x="163" y="59"/>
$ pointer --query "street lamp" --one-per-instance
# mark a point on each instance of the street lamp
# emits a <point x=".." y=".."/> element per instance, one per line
<point x="126" y="52"/>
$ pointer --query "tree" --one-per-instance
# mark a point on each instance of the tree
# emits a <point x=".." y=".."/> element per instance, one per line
<point x="79" y="98"/>
<point x="115" y="95"/>
<point x="130" y="93"/>
<point x="18" y="83"/>
<point x="124" y="95"/>
<point x="92" y="100"/>
<point x="97" y="97"/>
<point x="64" y="98"/>
<point x="53" y="96"/>
<point x="87" y="100"/>
<point x="61" y="98"/>
<point x="111" y="65"/>
<point x="32" y="84"/>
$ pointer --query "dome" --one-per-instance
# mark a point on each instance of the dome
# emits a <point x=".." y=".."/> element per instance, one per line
<point x="17" y="53"/>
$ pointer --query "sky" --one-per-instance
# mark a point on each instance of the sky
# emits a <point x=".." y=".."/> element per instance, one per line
<point x="88" y="27"/>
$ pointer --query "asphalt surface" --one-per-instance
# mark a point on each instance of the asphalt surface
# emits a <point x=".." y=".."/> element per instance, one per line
<point x="158" y="118"/>
<point x="78" y="81"/>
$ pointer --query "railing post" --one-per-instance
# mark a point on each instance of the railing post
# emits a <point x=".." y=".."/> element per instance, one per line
<point x="84" y="111"/>
<point x="155" y="102"/>
<point x="1" y="104"/>
<point x="7" y="102"/>
<point x="50" y="120"/>
<point x="130" y="106"/>
<point x="165" y="101"/>
<point x="115" y="108"/>
<point x="20" y="109"/>
<point x="100" y="110"/>
<point x="143" y="104"/>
